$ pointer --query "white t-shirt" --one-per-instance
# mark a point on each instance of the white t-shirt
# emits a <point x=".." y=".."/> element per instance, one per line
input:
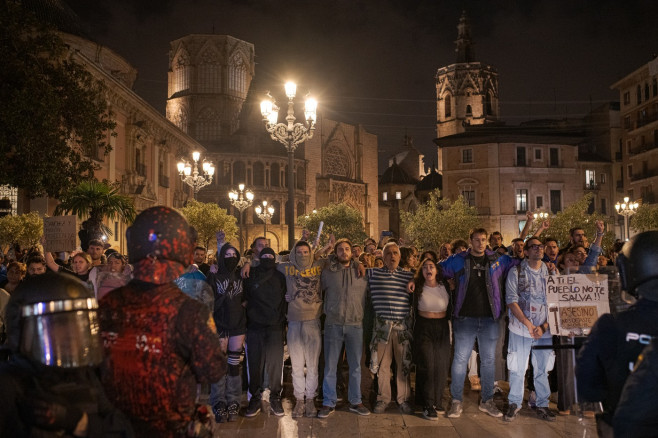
<point x="434" y="299"/>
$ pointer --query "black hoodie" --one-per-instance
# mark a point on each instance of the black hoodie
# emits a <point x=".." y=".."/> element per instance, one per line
<point x="265" y="293"/>
<point x="228" y="313"/>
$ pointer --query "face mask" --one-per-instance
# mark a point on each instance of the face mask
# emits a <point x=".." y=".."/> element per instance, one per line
<point x="268" y="263"/>
<point x="231" y="263"/>
<point x="305" y="260"/>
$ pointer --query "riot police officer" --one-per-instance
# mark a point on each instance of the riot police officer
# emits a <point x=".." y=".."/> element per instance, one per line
<point x="49" y="385"/>
<point x="613" y="346"/>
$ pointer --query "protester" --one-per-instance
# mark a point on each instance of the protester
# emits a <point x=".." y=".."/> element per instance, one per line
<point x="478" y="274"/>
<point x="265" y="302"/>
<point x="432" y="306"/>
<point x="344" y="305"/>
<point x="392" y="330"/>
<point x="231" y="322"/>
<point x="16" y="272"/>
<point x="528" y="327"/>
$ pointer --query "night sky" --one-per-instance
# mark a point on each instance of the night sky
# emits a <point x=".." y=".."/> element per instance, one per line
<point x="373" y="62"/>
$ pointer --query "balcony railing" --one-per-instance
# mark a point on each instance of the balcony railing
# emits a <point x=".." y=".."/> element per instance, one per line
<point x="642" y="148"/>
<point x="644" y="175"/>
<point x="163" y="181"/>
<point x="592" y="186"/>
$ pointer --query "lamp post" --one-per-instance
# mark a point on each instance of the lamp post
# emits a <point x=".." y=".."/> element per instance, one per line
<point x="241" y="200"/>
<point x="190" y="175"/>
<point x="264" y="213"/>
<point x="626" y="209"/>
<point x="290" y="134"/>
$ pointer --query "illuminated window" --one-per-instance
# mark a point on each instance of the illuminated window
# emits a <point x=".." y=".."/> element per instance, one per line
<point x="398" y="195"/>
<point x="385" y="196"/>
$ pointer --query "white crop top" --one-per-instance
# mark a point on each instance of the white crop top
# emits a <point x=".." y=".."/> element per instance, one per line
<point x="434" y="299"/>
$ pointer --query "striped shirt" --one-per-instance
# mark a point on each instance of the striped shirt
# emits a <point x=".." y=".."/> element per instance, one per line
<point x="388" y="290"/>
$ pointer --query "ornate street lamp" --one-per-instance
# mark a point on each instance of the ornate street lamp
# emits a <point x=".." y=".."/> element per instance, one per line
<point x="241" y="200"/>
<point x="190" y="175"/>
<point x="264" y="213"/>
<point x="541" y="216"/>
<point x="290" y="134"/>
<point x="626" y="209"/>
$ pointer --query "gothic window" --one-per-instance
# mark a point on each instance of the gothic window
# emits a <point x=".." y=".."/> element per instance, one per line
<point x="259" y="174"/>
<point x="276" y="217"/>
<point x="210" y="77"/>
<point x="639" y="95"/>
<point x="180" y="119"/>
<point x="646" y="91"/>
<point x="207" y="126"/>
<point x="237" y="75"/>
<point x="239" y="173"/>
<point x="447" y="106"/>
<point x="224" y="173"/>
<point x="301" y="178"/>
<point x="301" y="210"/>
<point x="275" y="172"/>
<point x="181" y="73"/>
<point x="336" y="162"/>
<point x="489" y="104"/>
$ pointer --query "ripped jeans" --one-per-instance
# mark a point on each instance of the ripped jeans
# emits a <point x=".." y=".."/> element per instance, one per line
<point x="517" y="362"/>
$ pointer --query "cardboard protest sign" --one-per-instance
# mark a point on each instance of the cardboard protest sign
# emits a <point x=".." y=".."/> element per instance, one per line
<point x="60" y="233"/>
<point x="575" y="302"/>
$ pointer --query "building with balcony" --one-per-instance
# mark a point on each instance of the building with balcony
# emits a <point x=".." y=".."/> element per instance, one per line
<point x="636" y="161"/>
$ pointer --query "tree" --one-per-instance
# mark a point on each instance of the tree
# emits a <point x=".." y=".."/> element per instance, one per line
<point x="54" y="113"/>
<point x="575" y="216"/>
<point x="645" y="218"/>
<point x="23" y="230"/>
<point x="208" y="218"/>
<point x="95" y="201"/>
<point x="341" y="220"/>
<point x="438" y="221"/>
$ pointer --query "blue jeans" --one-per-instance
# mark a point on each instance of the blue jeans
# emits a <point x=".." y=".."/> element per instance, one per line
<point x="465" y="331"/>
<point x="517" y="362"/>
<point x="304" y="345"/>
<point x="334" y="336"/>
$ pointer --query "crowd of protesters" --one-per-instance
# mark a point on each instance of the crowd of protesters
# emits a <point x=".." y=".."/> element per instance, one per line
<point x="406" y="313"/>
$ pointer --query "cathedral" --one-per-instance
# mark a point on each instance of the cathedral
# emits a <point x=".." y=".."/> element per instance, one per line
<point x="212" y="98"/>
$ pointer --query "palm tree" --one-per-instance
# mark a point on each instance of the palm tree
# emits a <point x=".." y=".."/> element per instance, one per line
<point x="94" y="201"/>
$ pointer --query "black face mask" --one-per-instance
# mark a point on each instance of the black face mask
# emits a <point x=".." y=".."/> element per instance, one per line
<point x="268" y="263"/>
<point x="231" y="263"/>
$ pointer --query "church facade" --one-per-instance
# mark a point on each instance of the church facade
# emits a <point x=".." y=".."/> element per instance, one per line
<point x="212" y="97"/>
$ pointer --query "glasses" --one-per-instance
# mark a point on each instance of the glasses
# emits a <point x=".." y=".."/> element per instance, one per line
<point x="536" y="246"/>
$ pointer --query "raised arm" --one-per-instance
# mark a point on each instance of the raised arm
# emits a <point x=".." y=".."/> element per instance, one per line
<point x="528" y="223"/>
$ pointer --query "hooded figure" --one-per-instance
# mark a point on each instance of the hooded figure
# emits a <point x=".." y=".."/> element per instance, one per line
<point x="304" y="298"/>
<point x="231" y="322"/>
<point x="226" y="283"/>
<point x="265" y="292"/>
<point x="304" y="294"/>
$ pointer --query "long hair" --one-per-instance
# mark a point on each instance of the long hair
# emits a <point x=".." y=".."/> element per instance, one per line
<point x="419" y="279"/>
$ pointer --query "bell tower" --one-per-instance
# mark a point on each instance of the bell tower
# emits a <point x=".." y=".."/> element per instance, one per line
<point x="466" y="91"/>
